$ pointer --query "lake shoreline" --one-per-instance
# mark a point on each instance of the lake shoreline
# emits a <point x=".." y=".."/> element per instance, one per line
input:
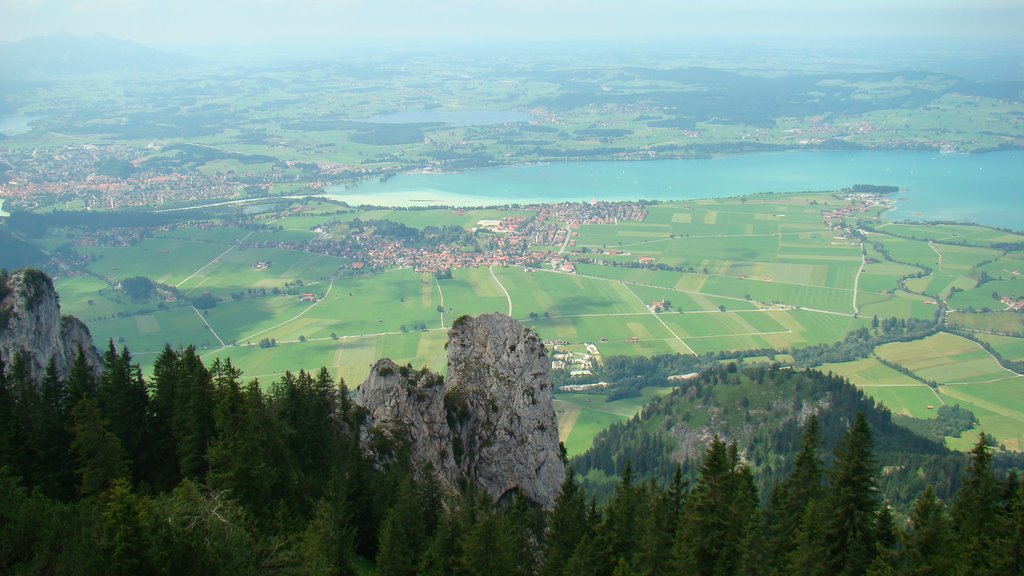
<point x="934" y="186"/>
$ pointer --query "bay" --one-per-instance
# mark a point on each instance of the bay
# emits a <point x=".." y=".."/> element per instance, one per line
<point x="983" y="188"/>
<point x="16" y="124"/>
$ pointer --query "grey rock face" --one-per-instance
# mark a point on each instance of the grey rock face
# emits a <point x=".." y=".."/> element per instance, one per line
<point x="407" y="404"/>
<point x="30" y="322"/>
<point x="492" y="421"/>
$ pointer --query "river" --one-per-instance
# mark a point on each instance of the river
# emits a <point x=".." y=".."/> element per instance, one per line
<point x="983" y="188"/>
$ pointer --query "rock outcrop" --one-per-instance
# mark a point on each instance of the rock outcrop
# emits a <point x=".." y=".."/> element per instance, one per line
<point x="490" y="422"/>
<point x="30" y="322"/>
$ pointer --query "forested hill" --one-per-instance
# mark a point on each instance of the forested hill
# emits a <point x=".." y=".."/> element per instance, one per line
<point x="762" y="409"/>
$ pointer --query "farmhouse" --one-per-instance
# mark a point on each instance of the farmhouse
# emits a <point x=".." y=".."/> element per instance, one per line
<point x="659" y="306"/>
<point x="307" y="298"/>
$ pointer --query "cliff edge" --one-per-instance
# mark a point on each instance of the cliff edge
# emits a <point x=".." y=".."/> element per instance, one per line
<point x="491" y="422"/>
<point x="30" y="322"/>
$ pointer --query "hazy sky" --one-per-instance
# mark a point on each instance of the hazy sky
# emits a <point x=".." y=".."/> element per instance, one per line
<point x="387" y="22"/>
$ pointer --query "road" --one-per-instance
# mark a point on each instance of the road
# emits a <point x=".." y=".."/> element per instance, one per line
<point x="500" y="285"/>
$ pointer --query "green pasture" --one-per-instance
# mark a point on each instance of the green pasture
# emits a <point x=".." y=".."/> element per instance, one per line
<point x="954" y="233"/>
<point x="179" y="327"/>
<point x="897" y="391"/>
<point x="582" y="416"/>
<point x="944" y="358"/>
<point x="472" y="291"/>
<point x="215" y="234"/>
<point x="1006" y="267"/>
<point x="981" y="297"/>
<point x="161" y="260"/>
<point x="564" y="294"/>
<point x="1000" y="322"/>
<point x="998" y="408"/>
<point x="970" y="376"/>
<point x="898" y="304"/>
<point x="1010" y="348"/>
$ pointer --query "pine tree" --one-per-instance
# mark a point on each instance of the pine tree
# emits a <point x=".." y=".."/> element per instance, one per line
<point x="100" y="457"/>
<point x="928" y="539"/>
<point x="1015" y="538"/>
<point x="327" y="543"/>
<point x="163" y="469"/>
<point x="804" y="484"/>
<point x="52" y="438"/>
<point x="886" y="543"/>
<point x="192" y="415"/>
<point x="402" y="536"/>
<point x="124" y="403"/>
<point x="619" y="533"/>
<point x="444" y="549"/>
<point x="486" y="549"/>
<point x="717" y="515"/>
<point x="236" y="454"/>
<point x="852" y="503"/>
<point x="22" y="425"/>
<point x="659" y="523"/>
<point x="81" y="380"/>
<point x="125" y="545"/>
<point x="976" y="514"/>
<point x="809" y="555"/>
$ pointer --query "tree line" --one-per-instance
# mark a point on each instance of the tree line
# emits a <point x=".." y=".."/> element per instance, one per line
<point x="194" y="471"/>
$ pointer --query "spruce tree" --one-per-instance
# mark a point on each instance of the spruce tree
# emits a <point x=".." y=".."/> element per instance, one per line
<point x="852" y="503"/>
<point x="193" y="423"/>
<point x="619" y="534"/>
<point x="52" y="437"/>
<point x="101" y="459"/>
<point x="402" y="537"/>
<point x="785" y="512"/>
<point x="928" y="539"/>
<point x="124" y="402"/>
<point x="81" y="380"/>
<point x="717" y="515"/>
<point x="566" y="526"/>
<point x="809" y="556"/>
<point x="163" y="469"/>
<point x="976" y="514"/>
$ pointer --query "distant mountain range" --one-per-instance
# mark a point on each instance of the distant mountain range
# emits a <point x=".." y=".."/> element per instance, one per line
<point x="65" y="54"/>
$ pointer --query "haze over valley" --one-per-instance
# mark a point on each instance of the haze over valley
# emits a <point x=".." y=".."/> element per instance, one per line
<point x="391" y="288"/>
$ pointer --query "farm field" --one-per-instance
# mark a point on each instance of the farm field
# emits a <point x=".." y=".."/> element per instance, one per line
<point x="968" y="375"/>
<point x="900" y="393"/>
<point x="582" y="416"/>
<point x="759" y="272"/>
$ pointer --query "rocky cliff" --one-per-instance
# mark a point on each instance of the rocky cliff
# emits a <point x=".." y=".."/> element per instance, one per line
<point x="30" y="322"/>
<point x="490" y="422"/>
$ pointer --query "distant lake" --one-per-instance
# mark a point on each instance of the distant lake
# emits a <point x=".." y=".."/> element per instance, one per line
<point x="983" y="188"/>
<point x="15" y="124"/>
<point x="462" y="117"/>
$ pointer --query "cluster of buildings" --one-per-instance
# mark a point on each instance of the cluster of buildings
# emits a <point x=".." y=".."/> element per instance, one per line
<point x="72" y="173"/>
<point x="40" y="177"/>
<point x="579" y="364"/>
<point x="514" y="241"/>
<point x="858" y="202"/>
<point x="1013" y="305"/>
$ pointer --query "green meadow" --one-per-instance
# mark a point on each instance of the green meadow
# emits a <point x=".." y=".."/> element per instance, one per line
<point x="738" y="273"/>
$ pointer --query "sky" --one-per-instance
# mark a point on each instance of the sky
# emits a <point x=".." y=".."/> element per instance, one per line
<point x="181" y="23"/>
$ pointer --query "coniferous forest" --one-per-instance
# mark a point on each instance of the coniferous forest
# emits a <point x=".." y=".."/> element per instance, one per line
<point x="195" y="471"/>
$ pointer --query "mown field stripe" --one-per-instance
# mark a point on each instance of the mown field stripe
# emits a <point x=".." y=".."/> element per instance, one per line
<point x="655" y="314"/>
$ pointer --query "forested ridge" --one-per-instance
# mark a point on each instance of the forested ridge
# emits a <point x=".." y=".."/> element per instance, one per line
<point x="195" y="471"/>
<point x="763" y="408"/>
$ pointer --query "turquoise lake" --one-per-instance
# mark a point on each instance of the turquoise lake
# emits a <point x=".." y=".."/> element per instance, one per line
<point x="983" y="188"/>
